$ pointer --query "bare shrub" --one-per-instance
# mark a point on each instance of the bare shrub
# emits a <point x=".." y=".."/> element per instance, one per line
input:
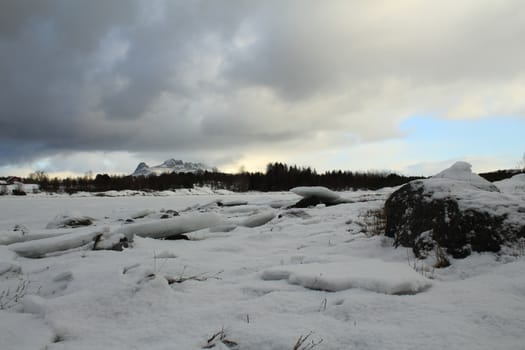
<point x="441" y="257"/>
<point x="521" y="245"/>
<point x="420" y="266"/>
<point x="374" y="221"/>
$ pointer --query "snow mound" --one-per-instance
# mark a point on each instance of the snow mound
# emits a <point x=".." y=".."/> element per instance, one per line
<point x="40" y="247"/>
<point x="9" y="267"/>
<point x="70" y="220"/>
<point x="320" y="192"/>
<point x="515" y="184"/>
<point x="171" y="227"/>
<point x="367" y="274"/>
<point x="462" y="171"/>
<point x="258" y="219"/>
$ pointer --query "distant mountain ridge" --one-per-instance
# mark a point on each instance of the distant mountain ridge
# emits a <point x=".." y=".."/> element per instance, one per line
<point x="170" y="166"/>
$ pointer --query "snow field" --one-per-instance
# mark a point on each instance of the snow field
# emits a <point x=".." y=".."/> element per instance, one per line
<point x="295" y="272"/>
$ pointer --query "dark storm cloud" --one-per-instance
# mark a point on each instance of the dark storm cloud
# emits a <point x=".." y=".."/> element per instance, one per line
<point x="138" y="76"/>
<point x="58" y="92"/>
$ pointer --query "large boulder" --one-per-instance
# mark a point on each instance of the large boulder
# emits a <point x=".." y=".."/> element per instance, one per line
<point x="457" y="210"/>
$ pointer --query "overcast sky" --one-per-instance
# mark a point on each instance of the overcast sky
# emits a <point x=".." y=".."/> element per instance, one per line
<point x="403" y="85"/>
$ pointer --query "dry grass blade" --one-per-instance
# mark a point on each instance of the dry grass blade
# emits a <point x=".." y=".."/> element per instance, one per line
<point x="201" y="278"/>
<point x="374" y="221"/>
<point x="220" y="337"/>
<point x="301" y="343"/>
<point x="9" y="298"/>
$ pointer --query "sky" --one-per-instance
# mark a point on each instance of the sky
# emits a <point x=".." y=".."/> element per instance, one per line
<point x="407" y="86"/>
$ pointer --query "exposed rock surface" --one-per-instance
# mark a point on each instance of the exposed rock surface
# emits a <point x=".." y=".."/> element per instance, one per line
<point x="456" y="209"/>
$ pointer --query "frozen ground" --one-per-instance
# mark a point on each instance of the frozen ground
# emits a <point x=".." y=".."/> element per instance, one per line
<point x="313" y="272"/>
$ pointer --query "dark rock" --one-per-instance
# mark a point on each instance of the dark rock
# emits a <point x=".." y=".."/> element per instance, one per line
<point x="21" y="228"/>
<point x="124" y="242"/>
<point x="307" y="202"/>
<point x="98" y="243"/>
<point x="165" y="216"/>
<point x="457" y="216"/>
<point x="293" y="213"/>
<point x="231" y="203"/>
<point x="77" y="222"/>
<point x="312" y="202"/>
<point x="178" y="237"/>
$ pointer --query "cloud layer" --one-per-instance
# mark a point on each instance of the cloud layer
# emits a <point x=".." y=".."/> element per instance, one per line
<point x="218" y="81"/>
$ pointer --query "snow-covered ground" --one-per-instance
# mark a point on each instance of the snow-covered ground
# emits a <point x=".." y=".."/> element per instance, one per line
<point x="307" y="272"/>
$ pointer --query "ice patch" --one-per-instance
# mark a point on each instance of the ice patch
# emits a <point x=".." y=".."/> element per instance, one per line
<point x="368" y="274"/>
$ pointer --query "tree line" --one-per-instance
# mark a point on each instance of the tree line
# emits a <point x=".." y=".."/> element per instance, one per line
<point x="277" y="177"/>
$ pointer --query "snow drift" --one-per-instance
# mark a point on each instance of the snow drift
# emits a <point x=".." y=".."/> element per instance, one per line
<point x="372" y="275"/>
<point x="171" y="227"/>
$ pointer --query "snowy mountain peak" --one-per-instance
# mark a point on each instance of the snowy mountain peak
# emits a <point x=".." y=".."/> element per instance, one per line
<point x="170" y="166"/>
<point x="142" y="169"/>
<point x="172" y="163"/>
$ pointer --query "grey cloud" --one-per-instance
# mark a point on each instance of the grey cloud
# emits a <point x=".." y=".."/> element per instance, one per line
<point x="216" y="76"/>
<point x="306" y="53"/>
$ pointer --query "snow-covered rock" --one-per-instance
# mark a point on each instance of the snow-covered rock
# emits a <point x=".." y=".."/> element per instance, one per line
<point x="169" y="166"/>
<point x="313" y="195"/>
<point x="456" y="209"/>
<point x="69" y="220"/>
